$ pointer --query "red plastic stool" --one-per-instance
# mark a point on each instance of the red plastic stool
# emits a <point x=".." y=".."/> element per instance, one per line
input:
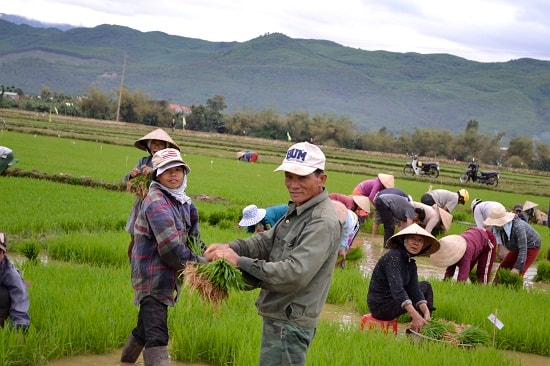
<point x="372" y="322"/>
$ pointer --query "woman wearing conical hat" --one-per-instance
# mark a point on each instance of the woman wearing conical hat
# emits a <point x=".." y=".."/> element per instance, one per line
<point x="474" y="247"/>
<point x="522" y="241"/>
<point x="394" y="287"/>
<point x="152" y="142"/>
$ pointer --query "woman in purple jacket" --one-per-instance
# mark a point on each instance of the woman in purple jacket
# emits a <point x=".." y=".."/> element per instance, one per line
<point x="474" y="247"/>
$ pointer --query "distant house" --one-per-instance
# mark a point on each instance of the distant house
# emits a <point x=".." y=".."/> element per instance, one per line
<point x="11" y="95"/>
<point x="176" y="108"/>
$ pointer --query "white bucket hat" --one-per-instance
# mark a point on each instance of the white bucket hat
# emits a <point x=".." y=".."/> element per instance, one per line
<point x="252" y="215"/>
<point x="168" y="158"/>
<point x="414" y="229"/>
<point x="303" y="159"/>
<point x="451" y="250"/>
<point x="388" y="181"/>
<point x="498" y="216"/>
<point x="363" y="202"/>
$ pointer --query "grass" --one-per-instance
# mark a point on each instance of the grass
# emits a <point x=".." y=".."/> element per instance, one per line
<point x="81" y="296"/>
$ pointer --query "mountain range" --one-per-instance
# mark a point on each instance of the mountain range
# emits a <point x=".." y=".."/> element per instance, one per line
<point x="375" y="89"/>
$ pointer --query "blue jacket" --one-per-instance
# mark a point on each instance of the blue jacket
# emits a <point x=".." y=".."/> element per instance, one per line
<point x="11" y="279"/>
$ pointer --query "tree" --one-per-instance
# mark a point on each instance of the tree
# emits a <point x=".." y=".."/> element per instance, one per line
<point x="96" y="105"/>
<point x="522" y="147"/>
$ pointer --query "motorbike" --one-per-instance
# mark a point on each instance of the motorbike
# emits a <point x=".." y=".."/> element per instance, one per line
<point x="489" y="177"/>
<point x="417" y="167"/>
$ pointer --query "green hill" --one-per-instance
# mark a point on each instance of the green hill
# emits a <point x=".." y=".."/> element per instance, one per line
<point x="375" y="89"/>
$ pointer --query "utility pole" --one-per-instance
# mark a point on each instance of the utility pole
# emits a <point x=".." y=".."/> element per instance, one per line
<point x="121" y="86"/>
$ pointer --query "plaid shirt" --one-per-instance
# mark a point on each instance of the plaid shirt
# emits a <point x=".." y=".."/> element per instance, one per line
<point x="160" y="250"/>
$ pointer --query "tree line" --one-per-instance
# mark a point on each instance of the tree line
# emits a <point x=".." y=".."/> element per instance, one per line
<point x="327" y="129"/>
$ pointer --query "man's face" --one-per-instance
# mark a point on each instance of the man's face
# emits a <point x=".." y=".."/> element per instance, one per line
<point x="303" y="188"/>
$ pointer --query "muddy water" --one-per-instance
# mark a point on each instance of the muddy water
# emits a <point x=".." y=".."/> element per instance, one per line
<point x="110" y="359"/>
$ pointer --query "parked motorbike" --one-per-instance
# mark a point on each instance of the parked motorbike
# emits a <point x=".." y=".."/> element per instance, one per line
<point x="489" y="177"/>
<point x="417" y="167"/>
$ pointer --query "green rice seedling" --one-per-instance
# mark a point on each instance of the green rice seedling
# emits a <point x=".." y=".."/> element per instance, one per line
<point x="543" y="272"/>
<point x="196" y="245"/>
<point x="436" y="329"/>
<point x="473" y="335"/>
<point x="139" y="185"/>
<point x="214" y="280"/>
<point x="30" y="250"/>
<point x="355" y="254"/>
<point x="506" y="278"/>
<point x="349" y="286"/>
<point x="99" y="249"/>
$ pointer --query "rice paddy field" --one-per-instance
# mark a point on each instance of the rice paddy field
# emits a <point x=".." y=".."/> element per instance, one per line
<point x="65" y="198"/>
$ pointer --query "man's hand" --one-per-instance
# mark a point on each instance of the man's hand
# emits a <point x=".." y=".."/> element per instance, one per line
<point x="210" y="252"/>
<point x="227" y="254"/>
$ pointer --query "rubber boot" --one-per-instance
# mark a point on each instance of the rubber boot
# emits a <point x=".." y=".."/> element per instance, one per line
<point x="156" y="356"/>
<point x="131" y="351"/>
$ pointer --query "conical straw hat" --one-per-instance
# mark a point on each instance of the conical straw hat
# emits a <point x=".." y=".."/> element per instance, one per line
<point x="363" y="202"/>
<point x="528" y="205"/>
<point x="446" y="218"/>
<point x="158" y="134"/>
<point x="414" y="229"/>
<point x="451" y="250"/>
<point x="387" y="180"/>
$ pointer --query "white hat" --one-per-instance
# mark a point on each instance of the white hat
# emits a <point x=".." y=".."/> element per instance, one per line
<point x="451" y="250"/>
<point x="387" y="180"/>
<point x="498" y="216"/>
<point x="303" y="158"/>
<point x="363" y="202"/>
<point x="166" y="159"/>
<point x="414" y="229"/>
<point x="3" y="242"/>
<point x="474" y="203"/>
<point x="252" y="215"/>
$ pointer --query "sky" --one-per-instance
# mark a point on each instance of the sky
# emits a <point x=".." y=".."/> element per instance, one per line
<point x="478" y="30"/>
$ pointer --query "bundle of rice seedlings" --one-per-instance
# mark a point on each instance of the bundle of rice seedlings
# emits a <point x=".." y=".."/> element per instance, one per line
<point x="437" y="329"/>
<point x="213" y="280"/>
<point x="139" y="185"/>
<point x="509" y="279"/>
<point x="355" y="253"/>
<point x="473" y="335"/>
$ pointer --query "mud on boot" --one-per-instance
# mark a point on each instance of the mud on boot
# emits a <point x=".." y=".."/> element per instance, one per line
<point x="131" y="351"/>
<point x="156" y="356"/>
